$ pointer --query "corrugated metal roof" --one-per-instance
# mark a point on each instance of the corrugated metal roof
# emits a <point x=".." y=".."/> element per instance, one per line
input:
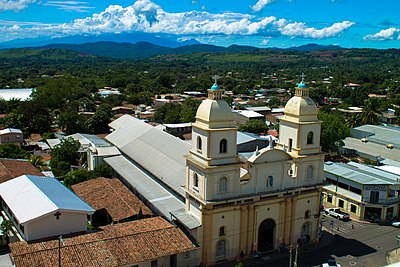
<point x="157" y="195"/>
<point x="371" y="148"/>
<point x="10" y="130"/>
<point x="30" y="197"/>
<point x="362" y="174"/>
<point x="381" y="134"/>
<point x="158" y="152"/>
<point x="107" y="151"/>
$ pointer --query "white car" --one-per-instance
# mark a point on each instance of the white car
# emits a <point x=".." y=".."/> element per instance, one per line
<point x="331" y="263"/>
<point x="396" y="224"/>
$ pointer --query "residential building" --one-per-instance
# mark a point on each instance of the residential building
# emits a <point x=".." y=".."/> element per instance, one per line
<point x="42" y="207"/>
<point x="112" y="200"/>
<point x="365" y="192"/>
<point x="143" y="243"/>
<point x="11" y="136"/>
<point x="229" y="202"/>
<point x="243" y="116"/>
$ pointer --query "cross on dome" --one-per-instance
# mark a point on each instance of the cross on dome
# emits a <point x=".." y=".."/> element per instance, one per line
<point x="216" y="77"/>
<point x="302" y="77"/>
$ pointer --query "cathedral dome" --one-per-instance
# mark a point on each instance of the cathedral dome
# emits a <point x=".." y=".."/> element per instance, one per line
<point x="301" y="105"/>
<point x="215" y="110"/>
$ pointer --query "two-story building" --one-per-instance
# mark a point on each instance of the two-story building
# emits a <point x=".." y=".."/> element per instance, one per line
<point x="365" y="192"/>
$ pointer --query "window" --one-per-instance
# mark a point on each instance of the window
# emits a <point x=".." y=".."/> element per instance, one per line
<point x="198" y="142"/>
<point x="341" y="203"/>
<point x="290" y="144"/>
<point x="329" y="198"/>
<point x="307" y="215"/>
<point x="310" y="172"/>
<point x="222" y="231"/>
<point x="154" y="263"/>
<point x="374" y="197"/>
<point x="221" y="250"/>
<point x="310" y="137"/>
<point x="353" y="208"/>
<point x="222" y="146"/>
<point x="195" y="181"/>
<point x="270" y="181"/>
<point x="223" y="185"/>
<point x="186" y="255"/>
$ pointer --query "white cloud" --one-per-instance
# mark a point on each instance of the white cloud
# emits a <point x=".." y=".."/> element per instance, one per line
<point x="146" y="16"/>
<point x="265" y="42"/>
<point x="300" y="29"/>
<point x="387" y="34"/>
<point x="76" y="6"/>
<point x="261" y="4"/>
<point x="15" y="5"/>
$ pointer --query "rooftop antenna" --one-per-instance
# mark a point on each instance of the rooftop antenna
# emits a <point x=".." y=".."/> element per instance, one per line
<point x="215" y="77"/>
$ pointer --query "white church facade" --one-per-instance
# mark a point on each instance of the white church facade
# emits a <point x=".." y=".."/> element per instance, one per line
<point x="229" y="201"/>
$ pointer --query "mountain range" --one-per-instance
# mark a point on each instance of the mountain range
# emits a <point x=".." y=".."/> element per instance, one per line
<point x="138" y="45"/>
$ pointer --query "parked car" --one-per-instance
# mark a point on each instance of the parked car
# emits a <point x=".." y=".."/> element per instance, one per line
<point x="396" y="224"/>
<point x="331" y="263"/>
<point x="337" y="213"/>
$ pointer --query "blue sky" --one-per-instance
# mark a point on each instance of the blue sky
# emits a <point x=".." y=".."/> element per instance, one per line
<point x="263" y="23"/>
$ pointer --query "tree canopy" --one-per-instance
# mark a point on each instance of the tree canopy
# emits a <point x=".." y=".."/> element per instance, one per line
<point x="334" y="130"/>
<point x="64" y="155"/>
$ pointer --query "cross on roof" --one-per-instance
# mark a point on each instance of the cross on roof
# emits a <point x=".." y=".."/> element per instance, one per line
<point x="302" y="77"/>
<point x="57" y="215"/>
<point x="216" y="77"/>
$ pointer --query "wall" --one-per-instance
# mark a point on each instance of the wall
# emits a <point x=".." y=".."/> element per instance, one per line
<point x="49" y="226"/>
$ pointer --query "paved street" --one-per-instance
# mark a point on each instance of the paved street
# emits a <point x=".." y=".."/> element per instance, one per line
<point x="352" y="244"/>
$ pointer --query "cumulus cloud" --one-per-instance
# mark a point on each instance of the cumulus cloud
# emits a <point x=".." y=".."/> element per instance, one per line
<point x="387" y="34"/>
<point x="146" y="16"/>
<point x="261" y="4"/>
<point x="14" y="5"/>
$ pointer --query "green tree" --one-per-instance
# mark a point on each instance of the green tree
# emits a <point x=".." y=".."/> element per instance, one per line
<point x="371" y="112"/>
<point x="77" y="176"/>
<point x="189" y="109"/>
<point x="64" y="155"/>
<point x="13" y="151"/>
<point x="6" y="228"/>
<point x="353" y="121"/>
<point x="37" y="161"/>
<point x="334" y="130"/>
<point x="103" y="170"/>
<point x="98" y="123"/>
<point x="72" y="122"/>
<point x="274" y="102"/>
<point x="254" y="126"/>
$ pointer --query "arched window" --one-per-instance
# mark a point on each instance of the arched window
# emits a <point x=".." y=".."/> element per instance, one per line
<point x="222" y="231"/>
<point x="310" y="137"/>
<point x="270" y="181"/>
<point x="310" y="172"/>
<point x="195" y="180"/>
<point x="307" y="215"/>
<point x="222" y="146"/>
<point x="198" y="142"/>
<point x="223" y="185"/>
<point x="221" y="250"/>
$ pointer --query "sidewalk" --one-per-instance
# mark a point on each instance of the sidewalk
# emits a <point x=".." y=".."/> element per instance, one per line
<point x="325" y="241"/>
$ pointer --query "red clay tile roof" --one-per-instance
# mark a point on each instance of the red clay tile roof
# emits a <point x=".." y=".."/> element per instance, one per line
<point x="12" y="168"/>
<point x="116" y="245"/>
<point x="111" y="195"/>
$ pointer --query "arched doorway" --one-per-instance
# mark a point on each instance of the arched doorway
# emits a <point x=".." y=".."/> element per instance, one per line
<point x="266" y="235"/>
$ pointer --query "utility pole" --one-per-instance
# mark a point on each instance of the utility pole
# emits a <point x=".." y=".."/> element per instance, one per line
<point x="295" y="256"/>
<point x="290" y="256"/>
<point x="332" y="227"/>
<point x="59" y="250"/>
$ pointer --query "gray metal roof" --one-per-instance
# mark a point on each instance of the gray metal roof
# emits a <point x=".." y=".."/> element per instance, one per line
<point x="381" y="134"/>
<point x="23" y="93"/>
<point x="373" y="149"/>
<point x="156" y="194"/>
<point x="158" y="152"/>
<point x="362" y="174"/>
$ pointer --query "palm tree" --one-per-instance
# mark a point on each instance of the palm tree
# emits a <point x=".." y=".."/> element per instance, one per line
<point x="353" y="121"/>
<point x="37" y="162"/>
<point x="371" y="112"/>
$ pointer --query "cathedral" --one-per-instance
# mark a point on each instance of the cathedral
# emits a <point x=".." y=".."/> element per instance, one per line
<point x="259" y="201"/>
<point x="230" y="203"/>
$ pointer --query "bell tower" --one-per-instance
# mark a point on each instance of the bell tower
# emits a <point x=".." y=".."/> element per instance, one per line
<point x="213" y="161"/>
<point x="299" y="128"/>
